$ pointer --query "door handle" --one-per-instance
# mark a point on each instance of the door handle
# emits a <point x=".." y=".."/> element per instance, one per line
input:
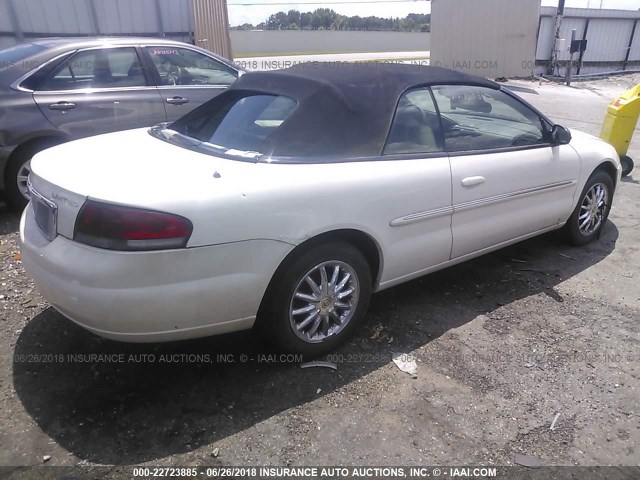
<point x="471" y="181"/>
<point x="177" y="100"/>
<point x="62" y="106"/>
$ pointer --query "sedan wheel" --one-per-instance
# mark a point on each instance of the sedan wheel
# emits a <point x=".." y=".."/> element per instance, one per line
<point x="590" y="215"/>
<point x="15" y="179"/>
<point x="22" y="177"/>
<point x="18" y="170"/>
<point x="316" y="299"/>
<point x="324" y="301"/>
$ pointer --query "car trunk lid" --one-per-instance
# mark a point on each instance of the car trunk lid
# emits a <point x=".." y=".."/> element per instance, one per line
<point x="129" y="168"/>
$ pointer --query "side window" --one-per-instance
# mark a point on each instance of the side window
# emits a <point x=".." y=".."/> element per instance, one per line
<point x="478" y="118"/>
<point x="108" y="68"/>
<point x="416" y="126"/>
<point x="181" y="66"/>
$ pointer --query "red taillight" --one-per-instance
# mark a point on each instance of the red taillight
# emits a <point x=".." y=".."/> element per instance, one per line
<point x="126" y="228"/>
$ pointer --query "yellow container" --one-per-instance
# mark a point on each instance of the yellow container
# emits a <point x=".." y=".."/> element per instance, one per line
<point x="621" y="119"/>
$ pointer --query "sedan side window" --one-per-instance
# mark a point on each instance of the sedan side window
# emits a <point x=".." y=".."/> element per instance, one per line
<point x="479" y="118"/>
<point x="181" y="66"/>
<point x="100" y="68"/>
<point x="416" y="126"/>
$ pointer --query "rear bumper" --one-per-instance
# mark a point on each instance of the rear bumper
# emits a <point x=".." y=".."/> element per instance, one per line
<point x="151" y="296"/>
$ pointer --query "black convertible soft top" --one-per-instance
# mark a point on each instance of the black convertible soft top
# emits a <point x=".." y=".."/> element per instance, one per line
<point x="343" y="109"/>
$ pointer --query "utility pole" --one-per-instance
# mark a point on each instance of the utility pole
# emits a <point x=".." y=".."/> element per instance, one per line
<point x="556" y="36"/>
<point x="570" y="64"/>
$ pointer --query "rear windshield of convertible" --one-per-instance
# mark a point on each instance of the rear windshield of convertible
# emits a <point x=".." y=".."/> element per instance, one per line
<point x="241" y="124"/>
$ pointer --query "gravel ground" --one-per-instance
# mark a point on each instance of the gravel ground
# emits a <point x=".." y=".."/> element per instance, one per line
<point x="503" y="344"/>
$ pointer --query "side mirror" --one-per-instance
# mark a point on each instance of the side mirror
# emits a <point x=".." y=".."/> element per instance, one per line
<point x="560" y="135"/>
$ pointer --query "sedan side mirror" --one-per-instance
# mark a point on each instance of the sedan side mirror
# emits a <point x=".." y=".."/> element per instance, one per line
<point x="560" y="135"/>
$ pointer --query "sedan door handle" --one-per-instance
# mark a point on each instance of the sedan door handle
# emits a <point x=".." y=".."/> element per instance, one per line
<point x="177" y="100"/>
<point x="62" y="106"/>
<point x="471" y="181"/>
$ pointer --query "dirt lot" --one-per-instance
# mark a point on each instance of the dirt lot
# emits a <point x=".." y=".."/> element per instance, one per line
<point x="504" y="344"/>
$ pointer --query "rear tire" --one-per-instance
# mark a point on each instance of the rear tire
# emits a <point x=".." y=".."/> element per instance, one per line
<point x="591" y="212"/>
<point x="327" y="315"/>
<point x="627" y="165"/>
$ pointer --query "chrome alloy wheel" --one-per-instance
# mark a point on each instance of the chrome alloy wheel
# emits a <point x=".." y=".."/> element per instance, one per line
<point x="324" y="301"/>
<point x="21" y="179"/>
<point x="592" y="209"/>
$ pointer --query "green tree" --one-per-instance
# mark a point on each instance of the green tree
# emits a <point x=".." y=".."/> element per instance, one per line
<point x="327" y="19"/>
<point x="305" y="20"/>
<point x="293" y="17"/>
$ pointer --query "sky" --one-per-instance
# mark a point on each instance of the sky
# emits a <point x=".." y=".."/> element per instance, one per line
<point x="259" y="10"/>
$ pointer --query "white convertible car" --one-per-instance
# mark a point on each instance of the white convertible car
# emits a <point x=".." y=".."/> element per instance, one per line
<point x="286" y="201"/>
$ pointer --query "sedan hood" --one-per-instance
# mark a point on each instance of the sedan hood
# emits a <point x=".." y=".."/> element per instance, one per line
<point x="134" y="168"/>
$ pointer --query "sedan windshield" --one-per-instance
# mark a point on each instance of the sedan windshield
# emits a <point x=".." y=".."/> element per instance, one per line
<point x="238" y="126"/>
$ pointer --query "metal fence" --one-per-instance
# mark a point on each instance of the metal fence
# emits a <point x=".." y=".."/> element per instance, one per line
<point x="613" y="40"/>
<point x="22" y="20"/>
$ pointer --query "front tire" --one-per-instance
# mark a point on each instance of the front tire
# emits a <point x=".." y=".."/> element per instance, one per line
<point x="317" y="300"/>
<point x="591" y="213"/>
